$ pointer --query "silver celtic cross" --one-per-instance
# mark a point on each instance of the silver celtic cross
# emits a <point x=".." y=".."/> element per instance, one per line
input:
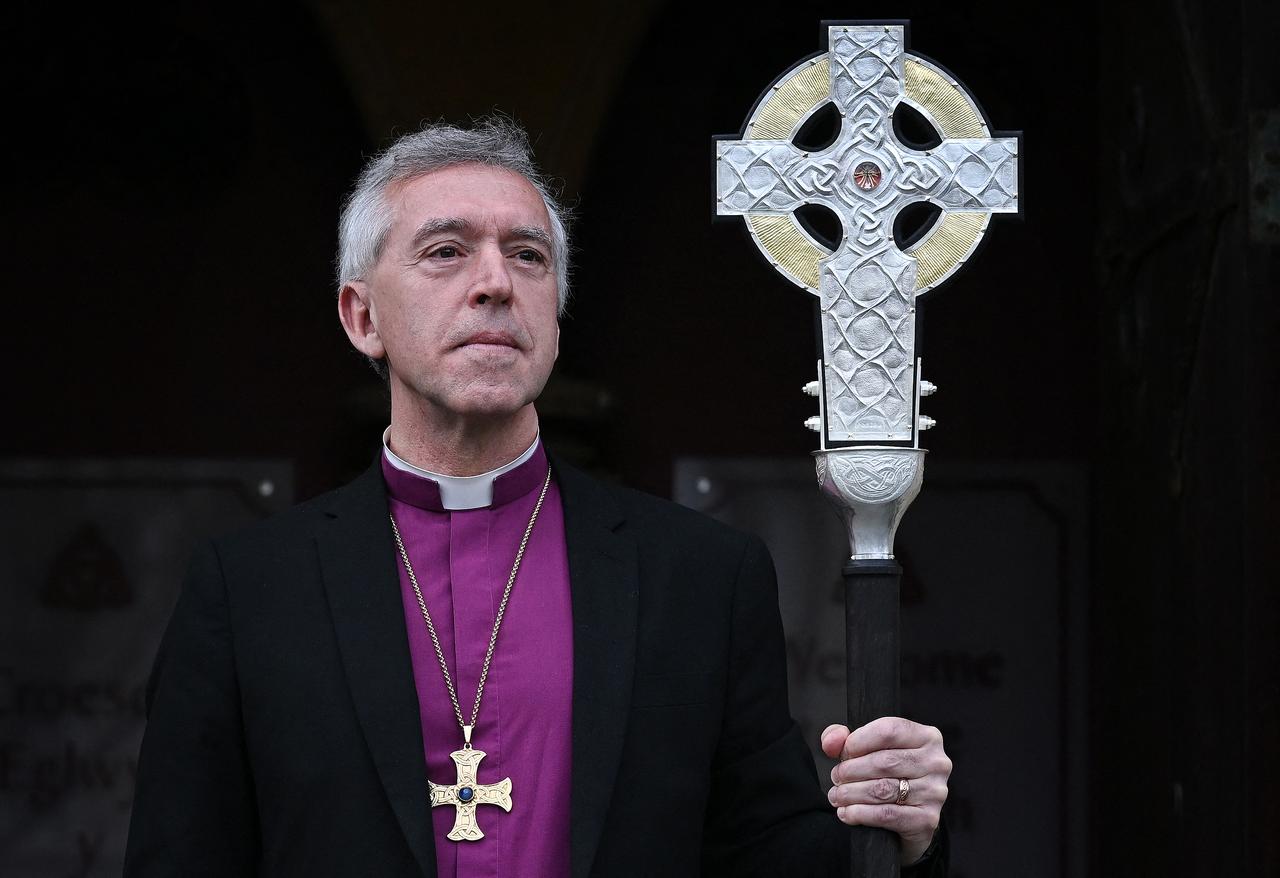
<point x="868" y="386"/>
<point x="868" y="285"/>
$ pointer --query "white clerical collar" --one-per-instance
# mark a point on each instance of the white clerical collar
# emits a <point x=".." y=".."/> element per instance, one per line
<point x="458" y="492"/>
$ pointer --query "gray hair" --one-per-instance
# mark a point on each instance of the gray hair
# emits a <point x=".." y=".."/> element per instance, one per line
<point x="493" y="140"/>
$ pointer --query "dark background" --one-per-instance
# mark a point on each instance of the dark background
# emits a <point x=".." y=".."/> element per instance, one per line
<point x="173" y="183"/>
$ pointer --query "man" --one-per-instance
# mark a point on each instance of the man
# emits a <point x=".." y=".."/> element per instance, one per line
<point x="475" y="660"/>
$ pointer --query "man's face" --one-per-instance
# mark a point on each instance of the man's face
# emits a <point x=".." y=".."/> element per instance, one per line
<point x="463" y="298"/>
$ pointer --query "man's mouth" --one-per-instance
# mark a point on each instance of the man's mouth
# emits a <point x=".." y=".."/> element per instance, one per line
<point x="491" y="338"/>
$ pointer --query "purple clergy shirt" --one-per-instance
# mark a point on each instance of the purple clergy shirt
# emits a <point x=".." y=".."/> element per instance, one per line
<point x="462" y="559"/>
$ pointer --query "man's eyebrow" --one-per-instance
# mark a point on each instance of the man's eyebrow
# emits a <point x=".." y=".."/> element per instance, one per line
<point x="531" y="233"/>
<point x="436" y="225"/>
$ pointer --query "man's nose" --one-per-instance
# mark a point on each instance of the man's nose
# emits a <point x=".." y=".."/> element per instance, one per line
<point x="492" y="281"/>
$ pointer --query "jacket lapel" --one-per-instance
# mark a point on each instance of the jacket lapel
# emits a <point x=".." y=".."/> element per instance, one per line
<point x="357" y="560"/>
<point x="605" y="584"/>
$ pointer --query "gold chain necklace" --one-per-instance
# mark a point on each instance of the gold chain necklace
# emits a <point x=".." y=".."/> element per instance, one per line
<point x="466" y="794"/>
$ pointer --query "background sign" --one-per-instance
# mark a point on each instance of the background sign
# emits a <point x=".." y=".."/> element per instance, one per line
<point x="91" y="561"/>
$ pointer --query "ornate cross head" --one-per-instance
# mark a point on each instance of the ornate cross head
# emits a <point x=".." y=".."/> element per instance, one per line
<point x="869" y="384"/>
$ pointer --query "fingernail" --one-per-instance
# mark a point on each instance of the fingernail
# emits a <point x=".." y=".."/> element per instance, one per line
<point x="842" y="811"/>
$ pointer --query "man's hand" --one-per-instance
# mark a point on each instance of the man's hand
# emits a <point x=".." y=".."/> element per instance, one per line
<point x="873" y="759"/>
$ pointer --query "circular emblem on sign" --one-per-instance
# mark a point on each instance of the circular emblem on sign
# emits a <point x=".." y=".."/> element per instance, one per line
<point x="867" y="176"/>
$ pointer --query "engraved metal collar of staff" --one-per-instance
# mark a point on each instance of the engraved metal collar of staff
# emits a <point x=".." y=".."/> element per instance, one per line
<point x="868" y="383"/>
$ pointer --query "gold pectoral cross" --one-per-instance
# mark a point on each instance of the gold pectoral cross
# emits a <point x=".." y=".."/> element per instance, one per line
<point x="466" y="794"/>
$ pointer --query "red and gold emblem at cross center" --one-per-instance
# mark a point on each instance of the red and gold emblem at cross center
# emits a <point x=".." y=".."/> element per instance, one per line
<point x="867" y="175"/>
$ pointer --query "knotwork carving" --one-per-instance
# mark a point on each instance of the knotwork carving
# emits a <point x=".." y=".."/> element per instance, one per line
<point x="870" y="478"/>
<point x="872" y="486"/>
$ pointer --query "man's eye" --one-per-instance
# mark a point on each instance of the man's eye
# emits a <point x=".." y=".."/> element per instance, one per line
<point x="445" y="252"/>
<point x="531" y="256"/>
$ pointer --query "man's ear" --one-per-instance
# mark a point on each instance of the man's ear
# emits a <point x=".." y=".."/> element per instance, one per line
<point x="356" y="311"/>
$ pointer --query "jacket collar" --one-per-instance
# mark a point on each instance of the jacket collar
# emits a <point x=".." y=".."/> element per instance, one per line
<point x="605" y="582"/>
<point x="357" y="564"/>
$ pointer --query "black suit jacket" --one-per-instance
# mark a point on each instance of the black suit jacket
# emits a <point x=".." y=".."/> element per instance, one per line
<point x="283" y="735"/>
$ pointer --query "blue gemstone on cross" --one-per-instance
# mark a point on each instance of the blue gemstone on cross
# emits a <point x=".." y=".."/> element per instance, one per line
<point x="465" y="794"/>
